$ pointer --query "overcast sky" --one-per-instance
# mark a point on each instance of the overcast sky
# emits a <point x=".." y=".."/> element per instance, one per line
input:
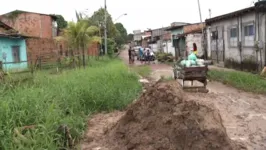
<point x="142" y="14"/>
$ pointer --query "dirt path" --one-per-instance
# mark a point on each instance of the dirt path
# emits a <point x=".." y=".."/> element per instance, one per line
<point x="243" y="114"/>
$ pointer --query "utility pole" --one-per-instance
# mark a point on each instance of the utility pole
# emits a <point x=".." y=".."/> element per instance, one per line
<point x="105" y="27"/>
<point x="210" y="13"/>
<point x="202" y="38"/>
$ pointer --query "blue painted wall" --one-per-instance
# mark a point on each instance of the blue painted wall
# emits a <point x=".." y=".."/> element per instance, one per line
<point x="6" y="47"/>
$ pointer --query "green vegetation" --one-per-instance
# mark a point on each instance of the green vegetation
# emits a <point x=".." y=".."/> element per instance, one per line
<point x="164" y="57"/>
<point x="242" y="80"/>
<point x="130" y="37"/>
<point x="121" y="36"/>
<point x="144" y="71"/>
<point x="61" y="22"/>
<point x="30" y="114"/>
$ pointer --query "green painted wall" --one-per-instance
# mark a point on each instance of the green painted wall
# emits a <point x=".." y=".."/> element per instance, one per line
<point x="181" y="41"/>
<point x="6" y="45"/>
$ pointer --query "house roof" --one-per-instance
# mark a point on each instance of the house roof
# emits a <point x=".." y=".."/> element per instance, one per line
<point x="22" y="11"/>
<point x="5" y="26"/>
<point x="176" y="27"/>
<point x="7" y="31"/>
<point x="230" y="15"/>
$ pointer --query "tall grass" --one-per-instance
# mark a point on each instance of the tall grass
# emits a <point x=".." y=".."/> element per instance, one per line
<point x="144" y="70"/>
<point x="49" y="101"/>
<point x="241" y="80"/>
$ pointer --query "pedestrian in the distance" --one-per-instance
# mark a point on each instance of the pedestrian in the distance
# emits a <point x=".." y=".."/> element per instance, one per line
<point x="129" y="55"/>
<point x="141" y="54"/>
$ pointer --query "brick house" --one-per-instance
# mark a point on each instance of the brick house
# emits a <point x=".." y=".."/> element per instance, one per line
<point x="42" y="32"/>
<point x="31" y="24"/>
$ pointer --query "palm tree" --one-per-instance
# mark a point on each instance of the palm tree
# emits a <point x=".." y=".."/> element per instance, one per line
<point x="81" y="34"/>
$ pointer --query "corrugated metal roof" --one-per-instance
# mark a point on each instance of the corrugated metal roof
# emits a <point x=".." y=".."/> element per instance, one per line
<point x="229" y="15"/>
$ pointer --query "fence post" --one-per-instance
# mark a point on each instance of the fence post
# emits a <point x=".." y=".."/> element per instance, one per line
<point x="40" y="62"/>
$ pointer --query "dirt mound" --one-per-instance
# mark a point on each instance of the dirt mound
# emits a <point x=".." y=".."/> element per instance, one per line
<point x="162" y="119"/>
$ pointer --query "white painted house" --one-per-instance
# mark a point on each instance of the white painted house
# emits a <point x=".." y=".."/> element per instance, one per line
<point x="237" y="40"/>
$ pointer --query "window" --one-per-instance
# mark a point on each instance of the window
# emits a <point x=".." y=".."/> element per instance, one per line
<point x="233" y="36"/>
<point x="16" y="54"/>
<point x="249" y="30"/>
<point x="214" y="35"/>
<point x="249" y="33"/>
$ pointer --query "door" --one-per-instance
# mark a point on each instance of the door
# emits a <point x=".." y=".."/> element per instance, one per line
<point x="217" y="44"/>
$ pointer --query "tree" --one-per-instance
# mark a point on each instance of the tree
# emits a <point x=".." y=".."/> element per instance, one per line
<point x="121" y="36"/>
<point x="80" y="34"/>
<point x="98" y="19"/>
<point x="130" y="37"/>
<point x="61" y="22"/>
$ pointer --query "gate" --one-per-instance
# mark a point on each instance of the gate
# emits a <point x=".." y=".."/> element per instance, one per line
<point x="217" y="44"/>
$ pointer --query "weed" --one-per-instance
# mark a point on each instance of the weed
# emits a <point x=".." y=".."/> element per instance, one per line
<point x="49" y="101"/>
<point x="242" y="80"/>
<point x="144" y="70"/>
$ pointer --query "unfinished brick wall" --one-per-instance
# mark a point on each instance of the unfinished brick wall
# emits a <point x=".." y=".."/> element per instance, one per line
<point x="31" y="24"/>
<point x="49" y="50"/>
<point x="42" y="48"/>
<point x="93" y="49"/>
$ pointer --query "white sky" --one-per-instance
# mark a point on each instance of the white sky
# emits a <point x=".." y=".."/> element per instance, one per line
<point x="142" y="14"/>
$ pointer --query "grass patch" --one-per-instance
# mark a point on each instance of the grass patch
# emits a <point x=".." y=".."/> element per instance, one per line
<point x="144" y="71"/>
<point x="49" y="101"/>
<point x="241" y="80"/>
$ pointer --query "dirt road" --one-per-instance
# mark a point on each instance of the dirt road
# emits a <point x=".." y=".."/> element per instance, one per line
<point x="243" y="114"/>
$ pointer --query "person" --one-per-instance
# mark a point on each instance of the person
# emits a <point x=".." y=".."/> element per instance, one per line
<point x="148" y="55"/>
<point x="129" y="55"/>
<point x="140" y="54"/>
<point x="195" y="49"/>
<point x="132" y="56"/>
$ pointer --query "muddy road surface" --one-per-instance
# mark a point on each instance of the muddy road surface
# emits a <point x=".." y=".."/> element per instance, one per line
<point x="243" y="114"/>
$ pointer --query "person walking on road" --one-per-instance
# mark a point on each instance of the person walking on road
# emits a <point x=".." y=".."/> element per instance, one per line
<point x="141" y="53"/>
<point x="129" y="55"/>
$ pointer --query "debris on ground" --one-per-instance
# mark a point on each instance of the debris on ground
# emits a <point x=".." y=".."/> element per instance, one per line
<point x="164" y="119"/>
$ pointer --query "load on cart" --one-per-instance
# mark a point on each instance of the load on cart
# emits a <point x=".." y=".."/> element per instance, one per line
<point x="191" y="69"/>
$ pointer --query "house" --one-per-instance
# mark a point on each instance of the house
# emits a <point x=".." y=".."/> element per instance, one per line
<point x="192" y="33"/>
<point x="179" y="43"/>
<point x="137" y="37"/>
<point x="237" y="39"/>
<point x="167" y="43"/>
<point x="157" y="35"/>
<point x="13" y="54"/>
<point x="31" y="24"/>
<point x="146" y="38"/>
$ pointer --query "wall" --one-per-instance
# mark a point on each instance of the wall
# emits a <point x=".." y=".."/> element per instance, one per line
<point x="31" y="24"/>
<point x="45" y="48"/>
<point x="193" y="28"/>
<point x="168" y="47"/>
<point x="93" y="49"/>
<point x="194" y="38"/>
<point x="154" y="47"/>
<point x="49" y="50"/>
<point x="6" y="47"/>
<point x="233" y="56"/>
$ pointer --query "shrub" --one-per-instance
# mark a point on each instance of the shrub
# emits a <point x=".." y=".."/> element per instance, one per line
<point x="164" y="57"/>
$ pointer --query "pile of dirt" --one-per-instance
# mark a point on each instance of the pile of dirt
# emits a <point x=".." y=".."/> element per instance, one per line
<point x="163" y="119"/>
